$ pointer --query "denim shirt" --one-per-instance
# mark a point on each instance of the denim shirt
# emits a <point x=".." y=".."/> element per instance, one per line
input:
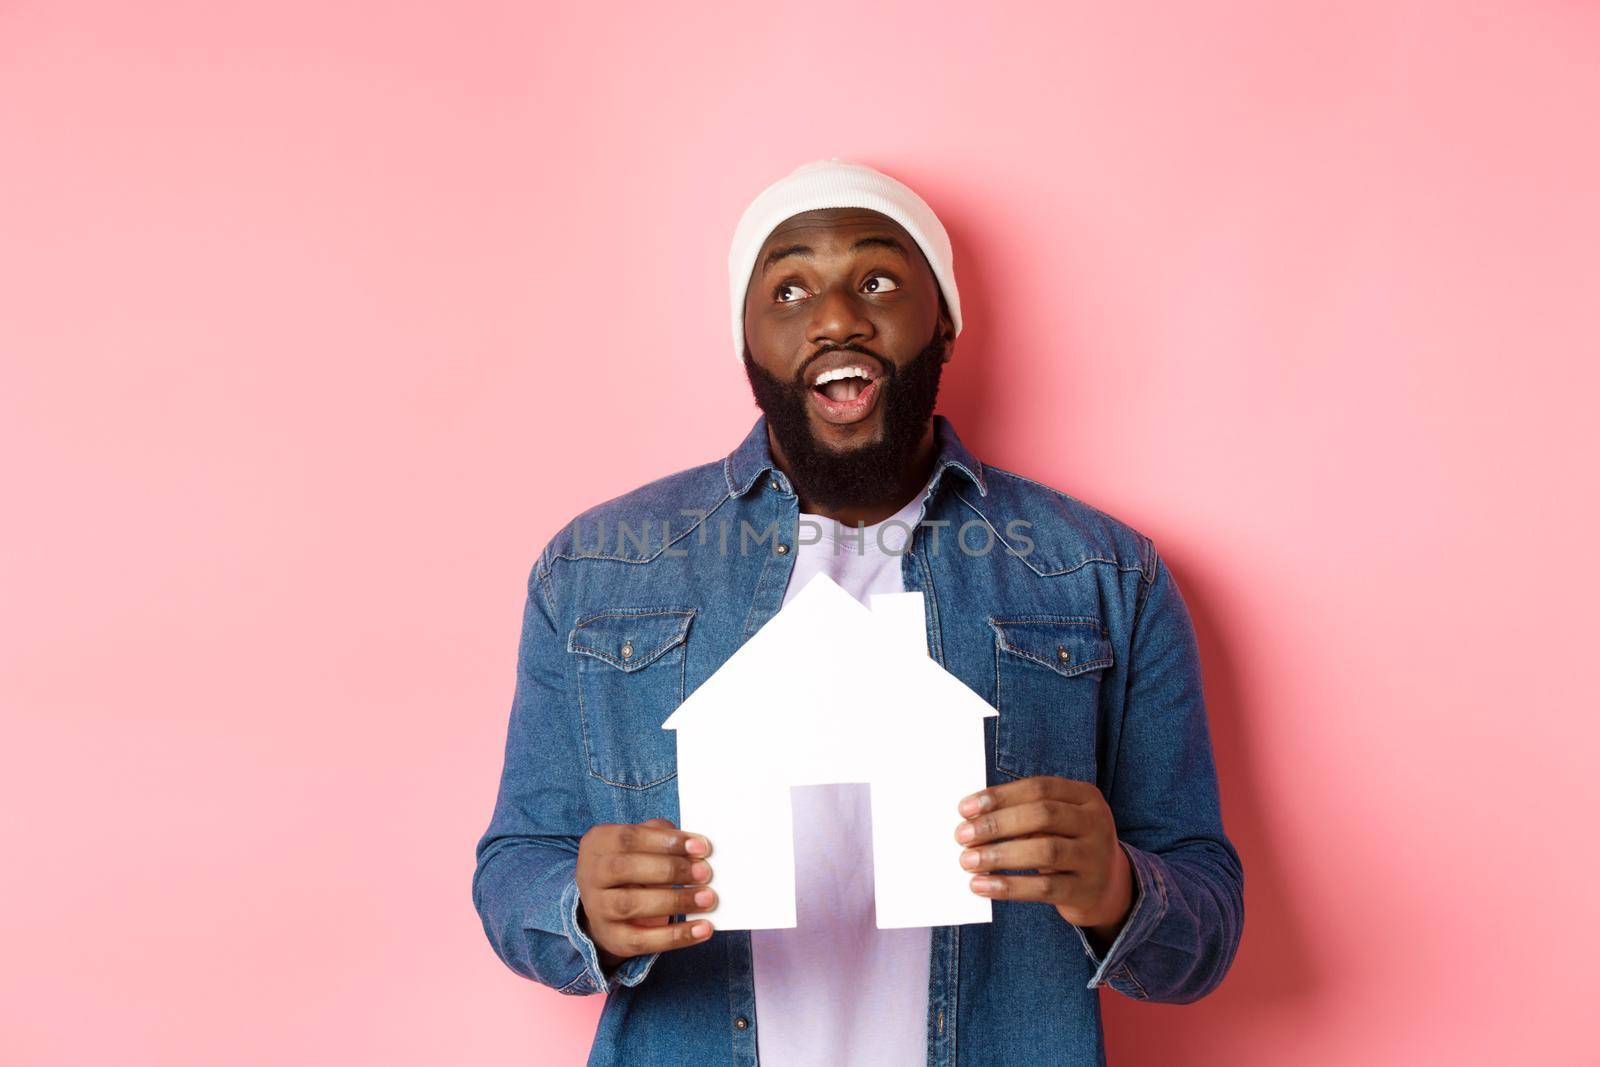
<point x="1062" y="617"/>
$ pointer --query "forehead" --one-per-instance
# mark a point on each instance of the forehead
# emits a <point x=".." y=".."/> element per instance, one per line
<point x="825" y="226"/>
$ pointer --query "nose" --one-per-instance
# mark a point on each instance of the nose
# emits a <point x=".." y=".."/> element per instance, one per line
<point x="838" y="317"/>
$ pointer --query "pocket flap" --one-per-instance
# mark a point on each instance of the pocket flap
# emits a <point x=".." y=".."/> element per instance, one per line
<point x="630" y="638"/>
<point x="1067" y="644"/>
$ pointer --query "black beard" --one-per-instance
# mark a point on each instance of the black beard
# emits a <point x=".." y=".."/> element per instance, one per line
<point x="867" y="474"/>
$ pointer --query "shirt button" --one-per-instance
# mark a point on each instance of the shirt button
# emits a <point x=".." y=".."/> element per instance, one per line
<point x="1062" y="654"/>
<point x="741" y="1023"/>
<point x="773" y="482"/>
<point x="627" y="650"/>
<point x="783" y="549"/>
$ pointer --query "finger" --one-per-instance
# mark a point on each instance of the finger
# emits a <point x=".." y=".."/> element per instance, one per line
<point x="640" y="903"/>
<point x="1033" y="817"/>
<point x="1024" y="790"/>
<point x="650" y="869"/>
<point x="1054" y="888"/>
<point x="1041" y="852"/>
<point x="695" y="845"/>
<point x="638" y="940"/>
<point x="653" y="836"/>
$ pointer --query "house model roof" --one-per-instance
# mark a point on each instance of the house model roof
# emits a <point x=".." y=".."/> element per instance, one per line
<point x="828" y="656"/>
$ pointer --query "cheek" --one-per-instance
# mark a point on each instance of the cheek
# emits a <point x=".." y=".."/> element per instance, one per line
<point x="774" y="345"/>
<point x="907" y="326"/>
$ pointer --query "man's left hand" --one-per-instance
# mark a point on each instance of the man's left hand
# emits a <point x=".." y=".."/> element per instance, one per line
<point x="1064" y="830"/>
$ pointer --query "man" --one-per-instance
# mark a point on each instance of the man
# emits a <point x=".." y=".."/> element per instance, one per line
<point x="1099" y="837"/>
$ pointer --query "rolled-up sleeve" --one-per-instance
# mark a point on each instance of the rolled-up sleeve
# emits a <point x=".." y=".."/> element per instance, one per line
<point x="1184" y="928"/>
<point x="525" y="884"/>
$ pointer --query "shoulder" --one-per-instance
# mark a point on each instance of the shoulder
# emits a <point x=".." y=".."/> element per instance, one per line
<point x="638" y="525"/>
<point x="1067" y="533"/>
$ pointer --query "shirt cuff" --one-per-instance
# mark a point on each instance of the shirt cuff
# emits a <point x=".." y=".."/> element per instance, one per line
<point x="593" y="978"/>
<point x="1149" y="908"/>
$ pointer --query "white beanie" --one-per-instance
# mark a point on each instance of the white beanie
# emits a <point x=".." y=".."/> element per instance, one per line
<point x="833" y="183"/>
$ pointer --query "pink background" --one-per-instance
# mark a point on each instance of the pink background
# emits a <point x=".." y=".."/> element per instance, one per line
<point x="317" y="320"/>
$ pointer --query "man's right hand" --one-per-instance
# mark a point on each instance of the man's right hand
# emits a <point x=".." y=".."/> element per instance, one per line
<point x="628" y="879"/>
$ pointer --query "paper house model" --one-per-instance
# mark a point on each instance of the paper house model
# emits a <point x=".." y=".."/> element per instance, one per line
<point x="829" y="691"/>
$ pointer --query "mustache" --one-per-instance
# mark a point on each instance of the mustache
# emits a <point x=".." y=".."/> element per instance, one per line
<point x="885" y="368"/>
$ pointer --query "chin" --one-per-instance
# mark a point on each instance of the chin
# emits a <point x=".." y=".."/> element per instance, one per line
<point x="847" y="438"/>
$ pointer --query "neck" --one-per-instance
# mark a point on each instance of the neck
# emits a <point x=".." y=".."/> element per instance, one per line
<point x="896" y="495"/>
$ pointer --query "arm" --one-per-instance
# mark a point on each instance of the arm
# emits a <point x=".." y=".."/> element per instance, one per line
<point x="1182" y="933"/>
<point x="525" y="886"/>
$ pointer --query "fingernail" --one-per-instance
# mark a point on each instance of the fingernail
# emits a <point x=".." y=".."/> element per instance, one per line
<point x="975" y="804"/>
<point x="705" y="898"/>
<point x="700" y="929"/>
<point x="969" y="858"/>
<point x="966" y="832"/>
<point x="985" y="885"/>
<point x="700" y="872"/>
<point x="698" y="846"/>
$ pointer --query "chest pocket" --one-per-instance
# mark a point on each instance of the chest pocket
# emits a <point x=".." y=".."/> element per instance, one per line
<point x="630" y="665"/>
<point x="1048" y="670"/>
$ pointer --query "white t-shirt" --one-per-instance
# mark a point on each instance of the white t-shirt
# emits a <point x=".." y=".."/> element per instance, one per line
<point x="836" y="990"/>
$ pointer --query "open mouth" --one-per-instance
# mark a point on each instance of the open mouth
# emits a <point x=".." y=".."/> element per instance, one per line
<point x="845" y="394"/>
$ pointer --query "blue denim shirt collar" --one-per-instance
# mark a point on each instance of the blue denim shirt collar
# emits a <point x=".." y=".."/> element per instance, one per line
<point x="746" y="464"/>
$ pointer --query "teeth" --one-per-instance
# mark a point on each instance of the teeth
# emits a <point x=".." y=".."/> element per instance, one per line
<point x="841" y="372"/>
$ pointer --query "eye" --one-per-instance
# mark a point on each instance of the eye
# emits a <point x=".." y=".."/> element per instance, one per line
<point x="785" y="287"/>
<point x="884" y="284"/>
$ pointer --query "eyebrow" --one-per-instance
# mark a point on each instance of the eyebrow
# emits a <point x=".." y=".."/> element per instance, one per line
<point x="806" y="251"/>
